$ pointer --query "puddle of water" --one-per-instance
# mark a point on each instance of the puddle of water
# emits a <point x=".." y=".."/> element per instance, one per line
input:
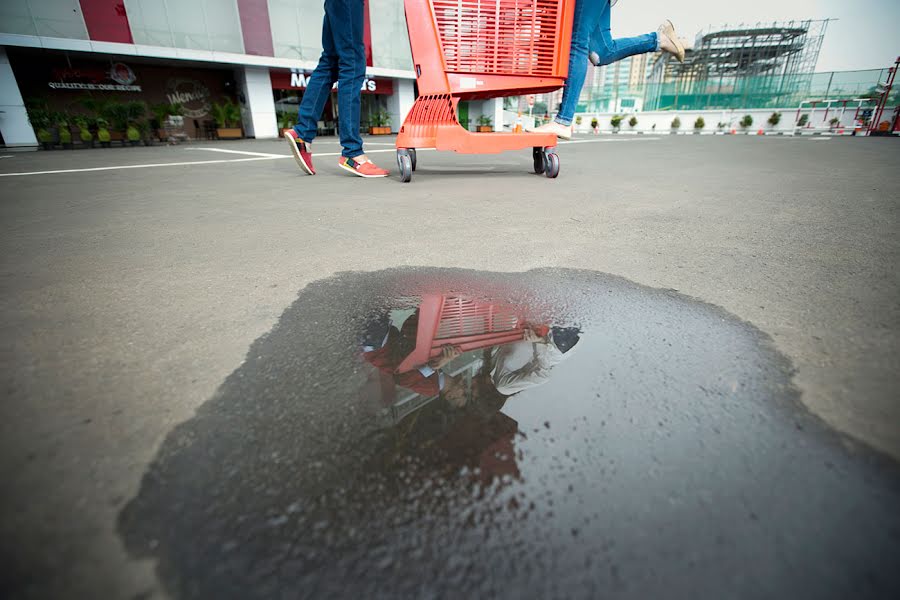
<point x="553" y="433"/>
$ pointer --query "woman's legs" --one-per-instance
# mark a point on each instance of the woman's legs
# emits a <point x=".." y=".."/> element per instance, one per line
<point x="604" y="50"/>
<point x="587" y="13"/>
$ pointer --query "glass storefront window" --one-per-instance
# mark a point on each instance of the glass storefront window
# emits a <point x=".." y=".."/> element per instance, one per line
<point x="50" y="18"/>
<point x="16" y="18"/>
<point x="149" y="22"/>
<point x="297" y="28"/>
<point x="390" y="39"/>
<point x="198" y="24"/>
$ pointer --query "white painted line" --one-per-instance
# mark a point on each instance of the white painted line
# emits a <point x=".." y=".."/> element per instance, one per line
<point x="820" y="139"/>
<point x="640" y="139"/>
<point x="379" y="144"/>
<point x="267" y="154"/>
<point x="148" y="166"/>
<point x="7" y="156"/>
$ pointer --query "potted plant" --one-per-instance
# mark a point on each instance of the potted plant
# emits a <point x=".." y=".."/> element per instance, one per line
<point x="834" y="122"/>
<point x="676" y="125"/>
<point x="161" y="112"/>
<point x="380" y="123"/>
<point x="227" y="116"/>
<point x="485" y="124"/>
<point x="774" y="119"/>
<point x="632" y="121"/>
<point x="595" y="125"/>
<point x="103" y="135"/>
<point x="40" y="120"/>
<point x="616" y="122"/>
<point x="746" y="122"/>
<point x="133" y="135"/>
<point x="803" y="120"/>
<point x="65" y="134"/>
<point x="286" y="121"/>
<point x="699" y="124"/>
<point x="84" y="131"/>
<point x="578" y="120"/>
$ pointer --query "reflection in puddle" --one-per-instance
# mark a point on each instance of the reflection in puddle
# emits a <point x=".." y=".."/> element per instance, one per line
<point x="553" y="433"/>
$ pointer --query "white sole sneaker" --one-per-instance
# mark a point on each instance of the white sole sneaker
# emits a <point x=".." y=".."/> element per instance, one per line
<point x="563" y="132"/>
<point x="292" y="142"/>
<point x="666" y="33"/>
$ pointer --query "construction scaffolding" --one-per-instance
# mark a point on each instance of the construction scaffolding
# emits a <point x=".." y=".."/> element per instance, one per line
<point x="761" y="66"/>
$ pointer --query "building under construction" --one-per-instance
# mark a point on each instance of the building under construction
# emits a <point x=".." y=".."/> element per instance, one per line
<point x="762" y="66"/>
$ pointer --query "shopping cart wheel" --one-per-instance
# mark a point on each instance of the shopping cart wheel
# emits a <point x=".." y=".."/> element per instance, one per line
<point x="551" y="164"/>
<point x="412" y="155"/>
<point x="404" y="161"/>
<point x="538" y="155"/>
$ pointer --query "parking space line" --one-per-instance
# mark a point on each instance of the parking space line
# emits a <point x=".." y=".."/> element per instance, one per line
<point x="239" y="152"/>
<point x="147" y="166"/>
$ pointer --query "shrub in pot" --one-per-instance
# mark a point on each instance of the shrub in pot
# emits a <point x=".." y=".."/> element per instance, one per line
<point x="65" y="135"/>
<point x="676" y="124"/>
<point x="803" y="120"/>
<point x="775" y="119"/>
<point x="103" y="135"/>
<point x="227" y="116"/>
<point x="746" y="122"/>
<point x="380" y="123"/>
<point x="699" y="124"/>
<point x="133" y="135"/>
<point x="632" y="121"/>
<point x="45" y="138"/>
<point x="616" y="122"/>
<point x="834" y="123"/>
<point x="485" y="124"/>
<point x="595" y="125"/>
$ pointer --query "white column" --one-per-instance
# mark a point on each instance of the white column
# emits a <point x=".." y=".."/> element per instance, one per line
<point x="14" y="124"/>
<point x="258" y="106"/>
<point x="494" y="109"/>
<point x="400" y="103"/>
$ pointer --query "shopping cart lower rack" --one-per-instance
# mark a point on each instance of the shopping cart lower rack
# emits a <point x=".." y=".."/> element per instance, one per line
<point x="478" y="49"/>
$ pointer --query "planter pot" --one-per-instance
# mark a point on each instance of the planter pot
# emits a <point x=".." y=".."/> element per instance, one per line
<point x="229" y="133"/>
<point x="379" y="131"/>
<point x="484" y="129"/>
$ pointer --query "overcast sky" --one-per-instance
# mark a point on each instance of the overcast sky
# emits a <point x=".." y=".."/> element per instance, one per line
<point x="866" y="36"/>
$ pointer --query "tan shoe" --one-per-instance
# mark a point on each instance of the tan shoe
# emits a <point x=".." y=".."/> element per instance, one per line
<point x="563" y="132"/>
<point x="669" y="42"/>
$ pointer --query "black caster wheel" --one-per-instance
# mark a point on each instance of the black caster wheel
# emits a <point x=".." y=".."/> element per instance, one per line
<point x="405" y="163"/>
<point x="538" y="155"/>
<point x="551" y="164"/>
<point x="412" y="156"/>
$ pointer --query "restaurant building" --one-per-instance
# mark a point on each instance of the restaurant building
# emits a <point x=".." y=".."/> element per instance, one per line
<point x="259" y="53"/>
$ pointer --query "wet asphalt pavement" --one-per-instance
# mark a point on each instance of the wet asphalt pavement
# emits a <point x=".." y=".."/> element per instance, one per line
<point x="666" y="456"/>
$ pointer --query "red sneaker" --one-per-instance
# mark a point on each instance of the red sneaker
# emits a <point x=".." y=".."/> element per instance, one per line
<point x="300" y="151"/>
<point x="362" y="169"/>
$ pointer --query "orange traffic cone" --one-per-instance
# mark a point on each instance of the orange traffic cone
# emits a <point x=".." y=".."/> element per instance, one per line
<point x="518" y="128"/>
<point x="760" y="132"/>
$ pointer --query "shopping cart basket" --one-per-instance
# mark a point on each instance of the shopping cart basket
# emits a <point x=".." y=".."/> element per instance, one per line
<point x="466" y="324"/>
<point x="477" y="49"/>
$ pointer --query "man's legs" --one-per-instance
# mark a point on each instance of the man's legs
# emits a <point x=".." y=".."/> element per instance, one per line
<point x="587" y="13"/>
<point x="318" y="88"/>
<point x="346" y="20"/>
<point x="604" y="50"/>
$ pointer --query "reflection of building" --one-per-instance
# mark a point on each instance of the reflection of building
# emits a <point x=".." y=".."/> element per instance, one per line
<point x="255" y="51"/>
<point x="762" y="65"/>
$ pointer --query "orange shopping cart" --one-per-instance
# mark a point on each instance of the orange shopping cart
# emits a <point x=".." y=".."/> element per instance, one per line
<point x="478" y="49"/>
<point x="464" y="323"/>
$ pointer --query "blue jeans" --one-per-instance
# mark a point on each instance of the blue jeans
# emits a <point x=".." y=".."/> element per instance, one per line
<point x="591" y="29"/>
<point x="343" y="61"/>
